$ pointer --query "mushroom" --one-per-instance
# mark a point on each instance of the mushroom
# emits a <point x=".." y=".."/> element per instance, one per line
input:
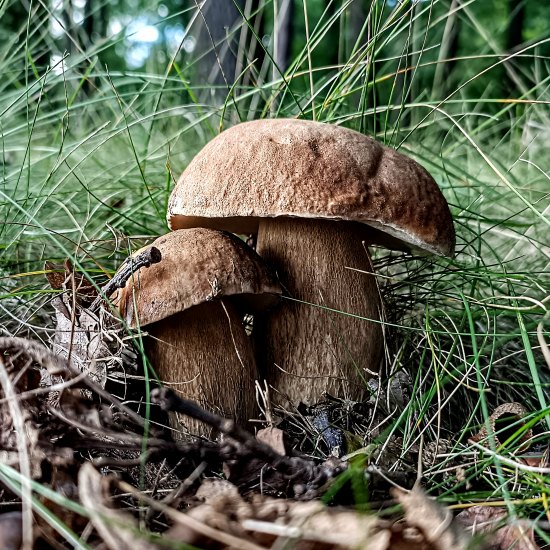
<point x="192" y="305"/>
<point x="315" y="194"/>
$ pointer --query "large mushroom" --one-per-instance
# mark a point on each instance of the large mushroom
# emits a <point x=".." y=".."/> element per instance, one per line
<point x="314" y="194"/>
<point x="191" y="305"/>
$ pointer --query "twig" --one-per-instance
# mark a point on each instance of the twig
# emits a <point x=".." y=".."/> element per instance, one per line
<point x="53" y="363"/>
<point x="180" y="490"/>
<point x="309" y="474"/>
<point x="509" y="462"/>
<point x="170" y="401"/>
<point x="104" y="433"/>
<point x="57" y="365"/>
<point x="146" y="258"/>
<point x="23" y="454"/>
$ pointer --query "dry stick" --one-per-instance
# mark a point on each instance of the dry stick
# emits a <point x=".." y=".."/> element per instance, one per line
<point x="106" y="461"/>
<point x="294" y="466"/>
<point x="36" y="351"/>
<point x="169" y="401"/>
<point x="150" y="256"/>
<point x="105" y="433"/>
<point x="54" y="387"/>
<point x="176" y="493"/>
<point x="23" y="455"/>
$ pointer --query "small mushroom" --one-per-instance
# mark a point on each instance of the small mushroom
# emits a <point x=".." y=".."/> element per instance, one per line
<point x="315" y="194"/>
<point x="191" y="304"/>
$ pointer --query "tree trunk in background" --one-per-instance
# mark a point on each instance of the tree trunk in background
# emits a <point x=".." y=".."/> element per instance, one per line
<point x="93" y="28"/>
<point x="282" y="36"/>
<point x="516" y="11"/>
<point x="67" y="22"/>
<point x="333" y="34"/>
<point x="514" y="37"/>
<point x="404" y="91"/>
<point x="283" y="11"/>
<point x="355" y="19"/>
<point x="216" y="48"/>
<point x="447" y="52"/>
<point x="248" y="45"/>
<point x="88" y="24"/>
<point x="14" y="20"/>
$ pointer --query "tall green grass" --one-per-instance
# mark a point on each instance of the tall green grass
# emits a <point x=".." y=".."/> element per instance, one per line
<point x="89" y="156"/>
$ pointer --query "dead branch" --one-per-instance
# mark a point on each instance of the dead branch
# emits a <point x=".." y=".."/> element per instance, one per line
<point x="150" y="256"/>
<point x="308" y="475"/>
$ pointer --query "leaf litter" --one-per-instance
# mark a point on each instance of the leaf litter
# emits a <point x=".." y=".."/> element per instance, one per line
<point x="113" y="478"/>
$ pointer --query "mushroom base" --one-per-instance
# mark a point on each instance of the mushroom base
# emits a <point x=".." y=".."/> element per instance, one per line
<point x="204" y="354"/>
<point x="306" y="351"/>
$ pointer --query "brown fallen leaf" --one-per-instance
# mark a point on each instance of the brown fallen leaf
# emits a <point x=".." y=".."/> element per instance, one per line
<point x="535" y="459"/>
<point x="272" y="437"/>
<point x="311" y="525"/>
<point x="504" y="421"/>
<point x="221" y="505"/>
<point x="433" y="521"/>
<point x="267" y="521"/>
<point x="491" y="522"/>
<point x="118" y="529"/>
<point x="89" y="335"/>
<point x="224" y="519"/>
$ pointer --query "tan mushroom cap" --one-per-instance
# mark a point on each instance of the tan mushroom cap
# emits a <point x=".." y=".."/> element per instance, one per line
<point x="198" y="265"/>
<point x="298" y="168"/>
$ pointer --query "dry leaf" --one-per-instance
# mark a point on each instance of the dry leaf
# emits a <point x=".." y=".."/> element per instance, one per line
<point x="92" y="340"/>
<point x="433" y="521"/>
<point x="313" y="523"/>
<point x="488" y="520"/>
<point x="272" y="437"/>
<point x="117" y="528"/>
<point x="266" y="520"/>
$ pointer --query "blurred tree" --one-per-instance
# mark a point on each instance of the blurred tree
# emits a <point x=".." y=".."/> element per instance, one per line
<point x="26" y="22"/>
<point x="94" y="23"/>
<point x="282" y="34"/>
<point x="514" y="38"/>
<point x="252" y="53"/>
<point x="66" y="16"/>
<point x="516" y="19"/>
<point x="447" y="52"/>
<point x="217" y="45"/>
<point x="214" y="46"/>
<point x="356" y="15"/>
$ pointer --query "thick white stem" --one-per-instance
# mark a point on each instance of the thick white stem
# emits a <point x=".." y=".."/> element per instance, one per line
<point x="305" y="351"/>
<point x="204" y="354"/>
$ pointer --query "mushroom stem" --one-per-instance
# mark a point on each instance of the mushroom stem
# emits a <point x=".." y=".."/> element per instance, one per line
<point x="189" y="352"/>
<point x="306" y="351"/>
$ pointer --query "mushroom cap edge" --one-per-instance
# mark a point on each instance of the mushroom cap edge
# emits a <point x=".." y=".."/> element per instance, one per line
<point x="197" y="265"/>
<point x="295" y="168"/>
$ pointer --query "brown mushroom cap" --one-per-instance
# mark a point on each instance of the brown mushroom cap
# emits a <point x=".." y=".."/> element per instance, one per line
<point x="198" y="265"/>
<point x="297" y="168"/>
